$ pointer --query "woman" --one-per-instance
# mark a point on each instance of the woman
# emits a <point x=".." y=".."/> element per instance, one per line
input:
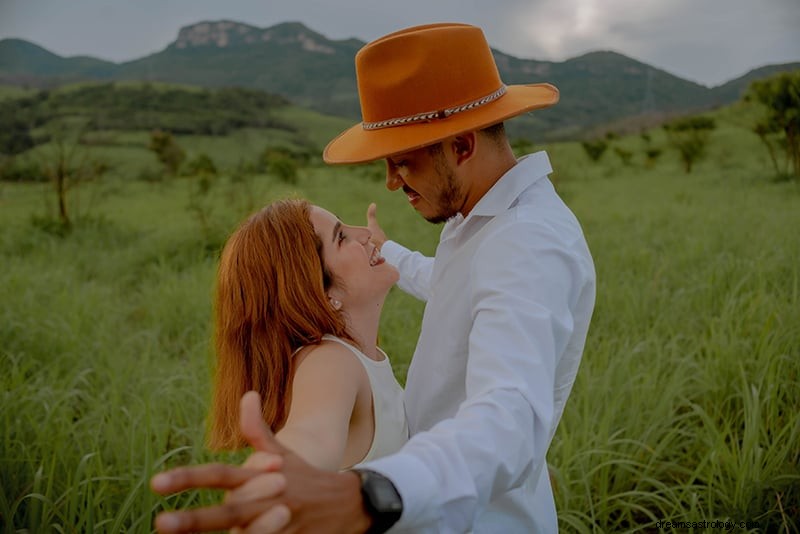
<point x="298" y="301"/>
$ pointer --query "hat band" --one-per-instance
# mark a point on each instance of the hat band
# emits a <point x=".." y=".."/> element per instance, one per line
<point x="431" y="115"/>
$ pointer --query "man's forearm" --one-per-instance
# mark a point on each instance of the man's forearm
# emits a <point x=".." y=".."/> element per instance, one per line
<point x="415" y="269"/>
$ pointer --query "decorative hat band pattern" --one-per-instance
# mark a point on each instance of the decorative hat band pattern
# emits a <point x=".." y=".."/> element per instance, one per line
<point x="432" y="115"/>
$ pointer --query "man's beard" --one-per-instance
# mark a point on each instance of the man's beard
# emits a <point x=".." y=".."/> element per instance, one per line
<point x="450" y="196"/>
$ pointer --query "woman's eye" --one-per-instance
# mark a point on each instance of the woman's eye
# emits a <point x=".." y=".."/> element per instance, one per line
<point x="341" y="236"/>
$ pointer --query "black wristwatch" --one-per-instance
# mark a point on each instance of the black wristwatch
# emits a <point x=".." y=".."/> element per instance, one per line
<point x="381" y="500"/>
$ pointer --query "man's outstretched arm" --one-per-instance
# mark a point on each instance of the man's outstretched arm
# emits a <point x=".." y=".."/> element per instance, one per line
<point x="273" y="486"/>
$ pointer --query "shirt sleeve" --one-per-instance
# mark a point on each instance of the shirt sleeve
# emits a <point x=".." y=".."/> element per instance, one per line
<point x="414" y="267"/>
<point x="522" y="322"/>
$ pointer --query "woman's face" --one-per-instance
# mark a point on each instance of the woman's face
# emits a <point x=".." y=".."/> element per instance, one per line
<point x="360" y="273"/>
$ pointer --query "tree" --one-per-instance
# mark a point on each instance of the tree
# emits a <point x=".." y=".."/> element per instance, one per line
<point x="15" y="137"/>
<point x="167" y="150"/>
<point x="780" y="95"/>
<point x="594" y="149"/>
<point x="202" y="173"/>
<point x="651" y="155"/>
<point x="280" y="162"/>
<point x="284" y="168"/>
<point x="770" y="136"/>
<point x="690" y="136"/>
<point x="624" y="155"/>
<point x="18" y="116"/>
<point x="200" y="165"/>
<point x="66" y="168"/>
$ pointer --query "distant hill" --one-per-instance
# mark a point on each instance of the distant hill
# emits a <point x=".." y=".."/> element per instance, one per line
<point x="20" y="58"/>
<point x="734" y="89"/>
<point x="311" y="70"/>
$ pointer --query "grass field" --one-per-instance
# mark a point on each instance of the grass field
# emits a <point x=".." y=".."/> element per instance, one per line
<point x="687" y="404"/>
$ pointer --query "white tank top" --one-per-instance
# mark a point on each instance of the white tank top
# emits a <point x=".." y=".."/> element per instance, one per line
<point x="391" y="429"/>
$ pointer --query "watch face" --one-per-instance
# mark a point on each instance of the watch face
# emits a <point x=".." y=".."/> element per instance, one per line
<point x="382" y="495"/>
<point x="381" y="500"/>
<point x="385" y="496"/>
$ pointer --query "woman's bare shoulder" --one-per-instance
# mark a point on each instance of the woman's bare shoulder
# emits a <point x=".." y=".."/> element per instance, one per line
<point x="330" y="355"/>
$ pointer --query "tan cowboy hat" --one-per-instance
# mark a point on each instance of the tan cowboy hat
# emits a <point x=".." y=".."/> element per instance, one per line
<point x="423" y="84"/>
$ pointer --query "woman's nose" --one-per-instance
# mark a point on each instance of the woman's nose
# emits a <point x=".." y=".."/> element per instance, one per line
<point x="362" y="234"/>
<point x="367" y="234"/>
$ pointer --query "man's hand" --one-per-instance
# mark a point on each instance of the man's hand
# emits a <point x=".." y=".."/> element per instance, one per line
<point x="274" y="491"/>
<point x="378" y="236"/>
<point x="252" y="487"/>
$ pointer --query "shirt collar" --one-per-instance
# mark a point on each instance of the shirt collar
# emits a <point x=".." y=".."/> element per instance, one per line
<point x="528" y="170"/>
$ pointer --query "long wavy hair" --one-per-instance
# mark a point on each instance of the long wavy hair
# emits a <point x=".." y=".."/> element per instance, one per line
<point x="270" y="300"/>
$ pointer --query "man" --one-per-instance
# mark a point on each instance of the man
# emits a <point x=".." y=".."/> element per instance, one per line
<point x="509" y="297"/>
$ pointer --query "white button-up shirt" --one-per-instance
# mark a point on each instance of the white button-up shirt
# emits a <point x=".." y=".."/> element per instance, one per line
<point x="509" y="297"/>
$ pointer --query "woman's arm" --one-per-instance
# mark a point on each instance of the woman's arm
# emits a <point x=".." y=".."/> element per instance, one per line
<point x="324" y="392"/>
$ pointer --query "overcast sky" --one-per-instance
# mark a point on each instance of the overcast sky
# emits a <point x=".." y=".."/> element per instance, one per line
<point x="707" y="41"/>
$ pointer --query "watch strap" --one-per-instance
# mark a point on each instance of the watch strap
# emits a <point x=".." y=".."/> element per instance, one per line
<point x="382" y="501"/>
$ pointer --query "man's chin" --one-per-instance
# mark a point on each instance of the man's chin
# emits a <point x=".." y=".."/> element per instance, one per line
<point x="426" y="212"/>
<point x="436" y="218"/>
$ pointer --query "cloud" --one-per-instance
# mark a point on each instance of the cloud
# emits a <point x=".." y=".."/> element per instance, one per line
<point x="709" y="41"/>
<point x="704" y="40"/>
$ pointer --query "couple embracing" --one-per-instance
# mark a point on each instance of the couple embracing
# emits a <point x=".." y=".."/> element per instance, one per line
<point x="509" y="296"/>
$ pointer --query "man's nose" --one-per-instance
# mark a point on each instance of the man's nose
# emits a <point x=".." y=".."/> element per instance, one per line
<point x="393" y="180"/>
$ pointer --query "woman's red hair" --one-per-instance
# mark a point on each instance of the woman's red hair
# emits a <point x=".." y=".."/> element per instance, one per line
<point x="270" y="301"/>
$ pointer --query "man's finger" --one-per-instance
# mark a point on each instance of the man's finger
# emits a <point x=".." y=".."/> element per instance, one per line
<point x="221" y="517"/>
<point x="372" y="213"/>
<point x="219" y="476"/>
<point x="252" y="425"/>
<point x="378" y="236"/>
<point x="260" y="488"/>
<point x="264" y="461"/>
<point x="372" y="217"/>
<point x="270" y="522"/>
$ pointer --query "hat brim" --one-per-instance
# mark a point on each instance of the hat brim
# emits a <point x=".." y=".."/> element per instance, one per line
<point x="357" y="145"/>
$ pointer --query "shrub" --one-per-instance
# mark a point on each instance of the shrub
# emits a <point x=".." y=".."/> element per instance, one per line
<point x="624" y="155"/>
<point x="167" y="150"/>
<point x="281" y="162"/>
<point x="690" y="136"/>
<point x="651" y="155"/>
<point x="284" y="168"/>
<point x="16" y="170"/>
<point x="202" y="164"/>
<point x="595" y="149"/>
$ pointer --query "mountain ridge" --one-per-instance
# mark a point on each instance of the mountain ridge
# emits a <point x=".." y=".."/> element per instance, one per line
<point x="301" y="64"/>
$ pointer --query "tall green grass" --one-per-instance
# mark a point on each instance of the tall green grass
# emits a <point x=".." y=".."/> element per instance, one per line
<point x="686" y="407"/>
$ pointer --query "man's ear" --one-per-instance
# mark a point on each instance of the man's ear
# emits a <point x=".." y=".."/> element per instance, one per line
<point x="463" y="146"/>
